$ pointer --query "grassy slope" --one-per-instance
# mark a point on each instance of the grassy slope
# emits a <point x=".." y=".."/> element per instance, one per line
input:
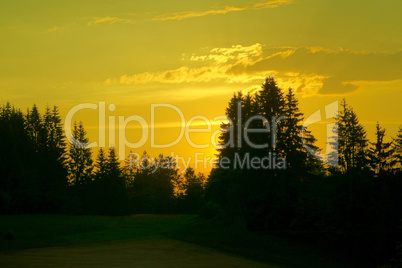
<point x="33" y="231"/>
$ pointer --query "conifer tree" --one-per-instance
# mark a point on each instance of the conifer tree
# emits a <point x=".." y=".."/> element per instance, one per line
<point x="114" y="186"/>
<point x="296" y="137"/>
<point x="397" y="148"/>
<point x="229" y="140"/>
<point x="34" y="126"/>
<point x="271" y="105"/>
<point x="381" y="153"/>
<point x="352" y="141"/>
<point x="79" y="157"/>
<point x="251" y="141"/>
<point x="57" y="137"/>
<point x="113" y="164"/>
<point x="101" y="165"/>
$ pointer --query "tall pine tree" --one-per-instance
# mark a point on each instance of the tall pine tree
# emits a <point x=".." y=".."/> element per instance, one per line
<point x="381" y="153"/>
<point x="79" y="161"/>
<point x="352" y="140"/>
<point x="295" y="137"/>
<point x="397" y="148"/>
<point x="271" y="105"/>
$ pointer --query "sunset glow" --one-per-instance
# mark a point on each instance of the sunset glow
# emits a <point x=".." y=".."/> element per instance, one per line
<point x="194" y="56"/>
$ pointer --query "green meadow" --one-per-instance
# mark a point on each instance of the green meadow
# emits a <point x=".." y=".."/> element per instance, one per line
<point x="39" y="239"/>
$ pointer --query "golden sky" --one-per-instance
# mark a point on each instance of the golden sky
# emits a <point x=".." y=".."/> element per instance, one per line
<point x="195" y="54"/>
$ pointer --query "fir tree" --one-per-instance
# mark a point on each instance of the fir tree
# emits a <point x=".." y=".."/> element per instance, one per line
<point x="101" y="165"/>
<point x="397" y="149"/>
<point x="230" y="139"/>
<point x="79" y="157"/>
<point x="271" y="105"/>
<point x="352" y="141"/>
<point x="113" y="164"/>
<point x="381" y="153"/>
<point x="34" y="126"/>
<point x="296" y="137"/>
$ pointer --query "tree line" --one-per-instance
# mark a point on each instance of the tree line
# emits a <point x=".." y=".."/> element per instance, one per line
<point x="41" y="173"/>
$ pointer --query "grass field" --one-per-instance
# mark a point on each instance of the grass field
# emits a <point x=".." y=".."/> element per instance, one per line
<point x="150" y="241"/>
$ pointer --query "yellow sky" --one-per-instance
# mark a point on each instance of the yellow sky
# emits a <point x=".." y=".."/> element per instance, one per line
<point x="195" y="54"/>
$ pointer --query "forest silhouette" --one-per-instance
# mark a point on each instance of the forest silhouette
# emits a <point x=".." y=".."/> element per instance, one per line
<point x="356" y="204"/>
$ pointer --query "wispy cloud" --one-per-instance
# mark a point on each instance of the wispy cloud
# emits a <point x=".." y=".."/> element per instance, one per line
<point x="225" y="10"/>
<point x="309" y="70"/>
<point x="341" y="70"/>
<point x="110" y="20"/>
<point x="237" y="53"/>
<point x="136" y="18"/>
<point x="54" y="29"/>
<point x="217" y="64"/>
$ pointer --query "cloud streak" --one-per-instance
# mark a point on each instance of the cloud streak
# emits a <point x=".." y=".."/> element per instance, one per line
<point x="217" y="64"/>
<point x="222" y="11"/>
<point x="340" y="69"/>
<point x="92" y="21"/>
<point x="309" y="70"/>
<point x="54" y="29"/>
<point x="110" y="20"/>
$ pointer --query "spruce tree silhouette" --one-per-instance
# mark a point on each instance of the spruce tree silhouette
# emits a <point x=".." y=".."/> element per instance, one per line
<point x="229" y="139"/>
<point x="295" y="137"/>
<point x="101" y="168"/>
<point x="352" y="143"/>
<point x="271" y="105"/>
<point x="381" y="153"/>
<point x="79" y="163"/>
<point x="397" y="148"/>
